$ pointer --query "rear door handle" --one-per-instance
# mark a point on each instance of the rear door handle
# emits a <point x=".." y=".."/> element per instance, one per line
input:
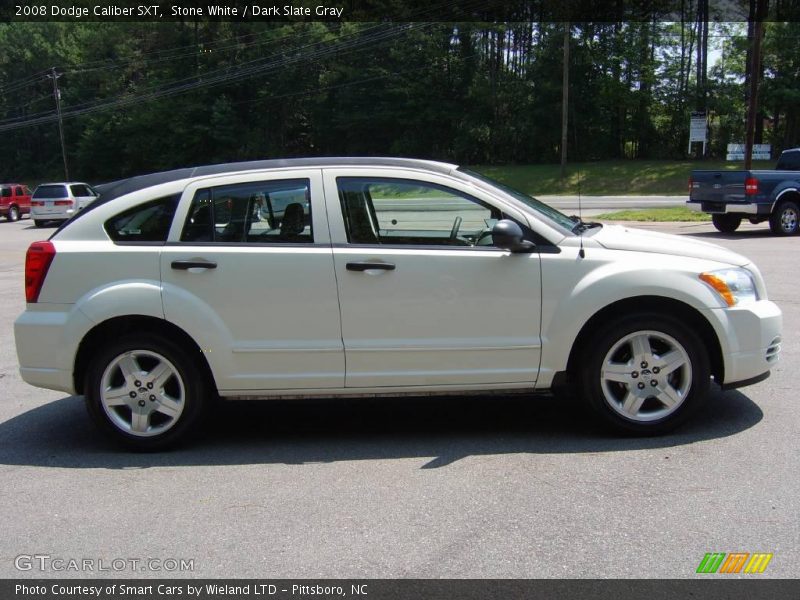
<point x="366" y="266"/>
<point x="183" y="265"/>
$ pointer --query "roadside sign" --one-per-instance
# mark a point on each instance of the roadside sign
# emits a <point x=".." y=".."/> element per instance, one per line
<point x="760" y="152"/>
<point x="698" y="126"/>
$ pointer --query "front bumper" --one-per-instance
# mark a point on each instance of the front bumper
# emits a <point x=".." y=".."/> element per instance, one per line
<point x="750" y="337"/>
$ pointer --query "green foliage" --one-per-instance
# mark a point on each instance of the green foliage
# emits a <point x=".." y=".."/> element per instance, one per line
<point x="164" y="95"/>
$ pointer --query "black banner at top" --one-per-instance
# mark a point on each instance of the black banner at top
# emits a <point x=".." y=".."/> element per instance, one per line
<point x="578" y="11"/>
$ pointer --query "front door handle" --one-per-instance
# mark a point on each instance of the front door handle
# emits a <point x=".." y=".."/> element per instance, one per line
<point x="183" y="265"/>
<point x="366" y="266"/>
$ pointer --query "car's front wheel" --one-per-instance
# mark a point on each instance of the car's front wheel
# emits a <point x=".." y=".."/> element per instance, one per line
<point x="13" y="213"/>
<point x="144" y="393"/>
<point x="644" y="373"/>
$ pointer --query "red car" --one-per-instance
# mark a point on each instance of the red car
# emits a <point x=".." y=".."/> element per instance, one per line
<point x="15" y="200"/>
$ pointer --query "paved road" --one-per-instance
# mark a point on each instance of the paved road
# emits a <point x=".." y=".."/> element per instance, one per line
<point x="594" y="205"/>
<point x="504" y="487"/>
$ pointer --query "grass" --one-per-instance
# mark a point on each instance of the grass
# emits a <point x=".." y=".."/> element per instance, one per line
<point x="609" y="177"/>
<point x="674" y="213"/>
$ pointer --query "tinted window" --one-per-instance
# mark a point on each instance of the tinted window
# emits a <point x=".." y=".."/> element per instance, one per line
<point x="402" y="211"/>
<point x="789" y="161"/>
<point x="253" y="212"/>
<point x="19" y="191"/>
<point x="148" y="222"/>
<point x="80" y="190"/>
<point x="6" y="192"/>
<point x="51" y="191"/>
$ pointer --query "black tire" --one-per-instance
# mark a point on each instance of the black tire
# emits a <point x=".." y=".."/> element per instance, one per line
<point x="608" y="398"/>
<point x="13" y="214"/>
<point x="39" y="222"/>
<point x="785" y="219"/>
<point x="726" y="223"/>
<point x="186" y="382"/>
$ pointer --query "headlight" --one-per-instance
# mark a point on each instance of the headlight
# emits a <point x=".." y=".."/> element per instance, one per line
<point x="735" y="286"/>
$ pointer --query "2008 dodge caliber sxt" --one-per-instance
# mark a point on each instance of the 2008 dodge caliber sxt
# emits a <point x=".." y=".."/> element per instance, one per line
<point x="333" y="277"/>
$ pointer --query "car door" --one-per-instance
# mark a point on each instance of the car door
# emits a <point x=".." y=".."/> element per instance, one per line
<point x="23" y="200"/>
<point x="426" y="299"/>
<point x="248" y="269"/>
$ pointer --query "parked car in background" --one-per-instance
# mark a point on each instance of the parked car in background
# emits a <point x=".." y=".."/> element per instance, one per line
<point x="384" y="277"/>
<point x="731" y="196"/>
<point x="15" y="200"/>
<point x="60" y="201"/>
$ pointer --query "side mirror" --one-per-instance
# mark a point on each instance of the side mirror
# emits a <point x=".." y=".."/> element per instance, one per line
<point x="506" y="234"/>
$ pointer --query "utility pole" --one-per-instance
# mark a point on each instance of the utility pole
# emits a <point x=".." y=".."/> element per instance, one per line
<point x="57" y="94"/>
<point x="564" y="101"/>
<point x="754" y="69"/>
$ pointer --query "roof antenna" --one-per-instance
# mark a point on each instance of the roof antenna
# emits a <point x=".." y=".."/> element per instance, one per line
<point x="581" y="253"/>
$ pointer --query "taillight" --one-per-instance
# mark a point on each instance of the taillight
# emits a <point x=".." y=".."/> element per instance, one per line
<point x="750" y="186"/>
<point x="62" y="203"/>
<point x="37" y="262"/>
<point x="691" y="185"/>
<point x="37" y="203"/>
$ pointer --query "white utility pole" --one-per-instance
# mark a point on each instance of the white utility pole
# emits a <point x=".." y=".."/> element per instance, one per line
<point x="57" y="94"/>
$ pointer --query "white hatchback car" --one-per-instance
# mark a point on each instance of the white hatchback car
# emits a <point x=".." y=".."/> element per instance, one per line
<point x="383" y="277"/>
<point x="59" y="201"/>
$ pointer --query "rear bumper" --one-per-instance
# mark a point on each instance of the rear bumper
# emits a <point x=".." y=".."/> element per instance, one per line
<point x="50" y="214"/>
<point x="721" y="208"/>
<point x="46" y="338"/>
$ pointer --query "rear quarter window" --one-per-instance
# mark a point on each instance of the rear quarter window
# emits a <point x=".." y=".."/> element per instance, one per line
<point x="148" y="222"/>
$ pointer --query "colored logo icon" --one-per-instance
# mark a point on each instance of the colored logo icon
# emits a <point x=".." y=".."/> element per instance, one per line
<point x="735" y="562"/>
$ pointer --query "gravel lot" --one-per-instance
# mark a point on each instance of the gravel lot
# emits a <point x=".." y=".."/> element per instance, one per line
<point x="499" y="487"/>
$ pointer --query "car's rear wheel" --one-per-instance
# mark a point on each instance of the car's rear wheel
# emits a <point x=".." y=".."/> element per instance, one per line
<point x="13" y="213"/>
<point x="726" y="223"/>
<point x="144" y="393"/>
<point x="785" y="219"/>
<point x="39" y="222"/>
<point x="645" y="373"/>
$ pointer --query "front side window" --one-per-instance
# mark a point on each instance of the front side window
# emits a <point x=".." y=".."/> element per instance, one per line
<point x="148" y="222"/>
<point x="19" y="191"/>
<point x="404" y="211"/>
<point x="254" y="212"/>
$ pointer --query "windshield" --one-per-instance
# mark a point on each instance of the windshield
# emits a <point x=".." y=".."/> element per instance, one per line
<point x="540" y="207"/>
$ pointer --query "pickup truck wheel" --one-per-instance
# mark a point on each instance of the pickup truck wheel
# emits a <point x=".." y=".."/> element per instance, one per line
<point x="784" y="219"/>
<point x="143" y="392"/>
<point x="13" y="214"/>
<point x="726" y="223"/>
<point x="644" y="374"/>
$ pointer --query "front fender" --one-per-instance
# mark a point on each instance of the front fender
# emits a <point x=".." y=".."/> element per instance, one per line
<point x="574" y="293"/>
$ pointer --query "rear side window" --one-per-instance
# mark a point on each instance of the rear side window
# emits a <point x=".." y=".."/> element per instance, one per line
<point x="254" y="212"/>
<point x="19" y="191"/>
<point x="789" y="161"/>
<point x="80" y="190"/>
<point x="148" y="222"/>
<point x="51" y="191"/>
<point x="6" y="193"/>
